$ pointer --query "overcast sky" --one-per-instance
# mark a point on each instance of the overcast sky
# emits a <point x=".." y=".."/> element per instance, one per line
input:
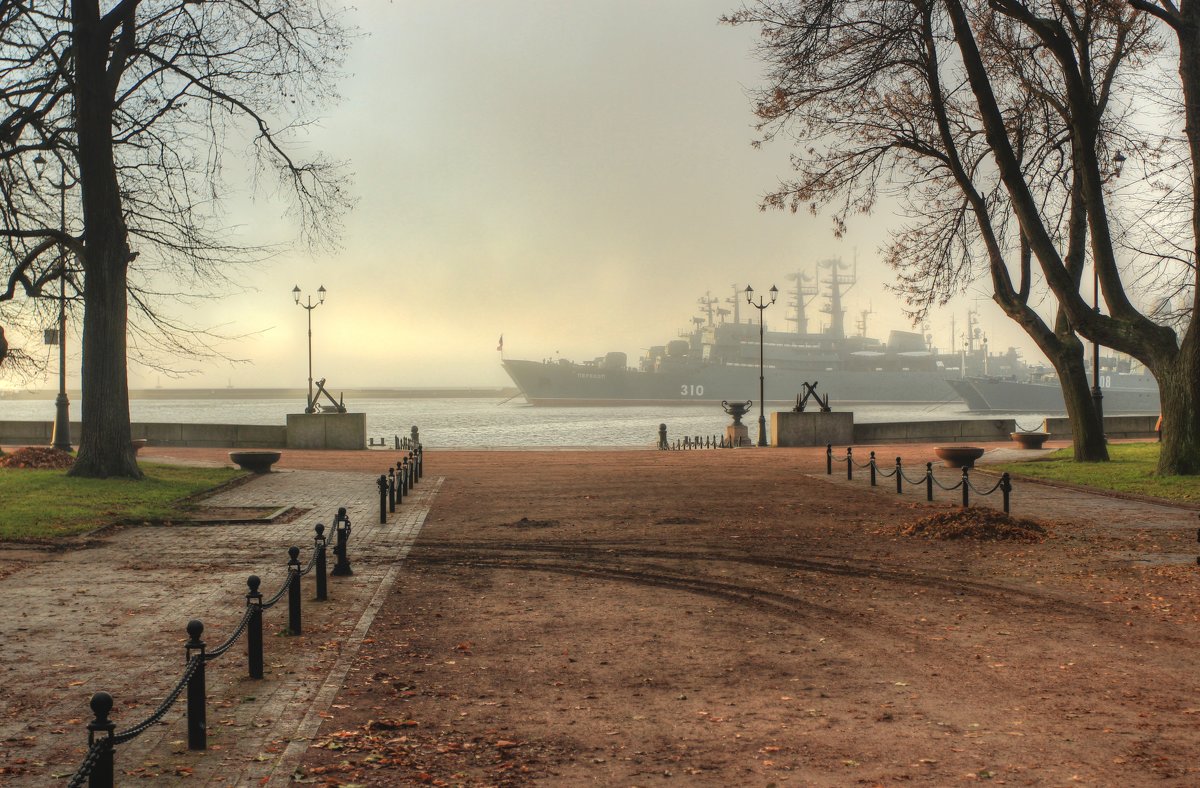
<point x="571" y="174"/>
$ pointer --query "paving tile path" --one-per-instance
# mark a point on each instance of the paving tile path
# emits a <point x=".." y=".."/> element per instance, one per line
<point x="112" y="617"/>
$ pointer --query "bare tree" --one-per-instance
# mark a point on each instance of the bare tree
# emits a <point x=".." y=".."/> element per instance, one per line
<point x="142" y="102"/>
<point x="995" y="123"/>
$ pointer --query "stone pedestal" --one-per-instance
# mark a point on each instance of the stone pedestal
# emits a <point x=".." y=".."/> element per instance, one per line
<point x="737" y="435"/>
<point x="327" y="431"/>
<point x="815" y="428"/>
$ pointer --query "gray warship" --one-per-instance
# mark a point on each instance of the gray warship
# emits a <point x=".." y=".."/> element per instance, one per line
<point x="717" y="358"/>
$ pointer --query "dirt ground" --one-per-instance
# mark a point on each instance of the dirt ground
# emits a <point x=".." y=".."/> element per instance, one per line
<point x="738" y="618"/>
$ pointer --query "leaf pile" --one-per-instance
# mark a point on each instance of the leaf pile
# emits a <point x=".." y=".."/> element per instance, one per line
<point x="976" y="523"/>
<point x="38" y="457"/>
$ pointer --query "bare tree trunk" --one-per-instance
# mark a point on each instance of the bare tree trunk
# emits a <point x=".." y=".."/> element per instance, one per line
<point x="1087" y="428"/>
<point x="105" y="443"/>
<point x="1177" y="386"/>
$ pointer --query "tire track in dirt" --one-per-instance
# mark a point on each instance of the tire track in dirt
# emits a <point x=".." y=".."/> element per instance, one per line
<point x="1039" y="601"/>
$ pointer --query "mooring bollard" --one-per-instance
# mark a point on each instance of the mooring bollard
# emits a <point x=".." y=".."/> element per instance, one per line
<point x="420" y="461"/>
<point x="197" y="720"/>
<point x="966" y="485"/>
<point x="294" y="590"/>
<point x="102" y="770"/>
<point x="319" y="546"/>
<point x="1005" y="489"/>
<point x="899" y="477"/>
<point x="407" y="475"/>
<point x="391" y="479"/>
<point x="341" y="526"/>
<point x="382" y="482"/>
<point x="871" y="462"/>
<point x="929" y="481"/>
<point x="254" y="639"/>
<point x="828" y="459"/>
<point x="849" y="463"/>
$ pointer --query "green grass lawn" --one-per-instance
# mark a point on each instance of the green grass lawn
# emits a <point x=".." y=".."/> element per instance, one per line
<point x="39" y="504"/>
<point x="1130" y="469"/>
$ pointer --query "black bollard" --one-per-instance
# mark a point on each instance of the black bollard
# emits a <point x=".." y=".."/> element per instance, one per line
<point x="966" y="485"/>
<point x="382" y="482"/>
<point x="197" y="718"/>
<point x="828" y="459"/>
<point x="420" y="461"/>
<point x="102" y="770"/>
<point x="1005" y="489"/>
<point x="294" y="591"/>
<point x="899" y="476"/>
<point x="391" y="479"/>
<point x="929" y="481"/>
<point x="341" y="526"/>
<point x="849" y="462"/>
<point x="254" y="639"/>
<point x="406" y="467"/>
<point x="319" y="546"/>
<point x="871" y="462"/>
<point x="662" y="436"/>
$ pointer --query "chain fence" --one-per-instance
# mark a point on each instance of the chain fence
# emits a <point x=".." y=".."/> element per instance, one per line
<point x="928" y="479"/>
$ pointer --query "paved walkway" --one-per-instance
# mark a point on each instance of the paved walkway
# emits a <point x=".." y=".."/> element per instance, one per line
<point x="114" y="617"/>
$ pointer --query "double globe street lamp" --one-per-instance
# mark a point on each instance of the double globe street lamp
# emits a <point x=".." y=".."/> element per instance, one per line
<point x="62" y="406"/>
<point x="309" y="306"/>
<point x="760" y="306"/>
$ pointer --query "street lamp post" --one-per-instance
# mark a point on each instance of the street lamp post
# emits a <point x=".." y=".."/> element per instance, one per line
<point x="1097" y="394"/>
<point x="61" y="438"/>
<point x="760" y="306"/>
<point x="309" y="306"/>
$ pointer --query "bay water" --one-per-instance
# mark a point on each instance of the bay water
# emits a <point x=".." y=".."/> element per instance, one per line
<point x="491" y="423"/>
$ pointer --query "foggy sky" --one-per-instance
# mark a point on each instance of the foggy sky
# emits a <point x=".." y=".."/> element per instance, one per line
<point x="572" y="175"/>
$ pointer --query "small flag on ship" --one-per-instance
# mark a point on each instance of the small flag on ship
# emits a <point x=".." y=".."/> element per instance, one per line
<point x="500" y="345"/>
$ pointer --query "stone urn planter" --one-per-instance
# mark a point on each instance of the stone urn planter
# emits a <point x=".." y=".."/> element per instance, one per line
<point x="255" y="461"/>
<point x="139" y="444"/>
<point x="958" y="456"/>
<point x="1030" y="440"/>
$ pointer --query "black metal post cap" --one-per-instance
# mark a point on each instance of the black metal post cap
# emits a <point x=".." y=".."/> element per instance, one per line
<point x="341" y="512"/>
<point x="320" y="529"/>
<point x="195" y="628"/>
<point x="294" y="553"/>
<point x="102" y="704"/>
<point x="253" y="581"/>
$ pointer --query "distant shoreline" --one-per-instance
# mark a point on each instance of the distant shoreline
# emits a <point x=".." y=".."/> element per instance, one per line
<point x="447" y="392"/>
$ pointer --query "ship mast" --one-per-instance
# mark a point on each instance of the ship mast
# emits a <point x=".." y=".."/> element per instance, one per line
<point x="736" y="301"/>
<point x="862" y="321"/>
<point x="706" y="302"/>
<point x="837" y="314"/>
<point x="801" y="296"/>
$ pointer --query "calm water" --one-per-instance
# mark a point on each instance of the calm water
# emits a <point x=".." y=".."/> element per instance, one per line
<point x="485" y="422"/>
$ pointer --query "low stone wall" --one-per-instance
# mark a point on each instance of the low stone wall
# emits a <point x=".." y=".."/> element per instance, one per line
<point x="233" y="436"/>
<point x="950" y="431"/>
<point x="1114" y="427"/>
